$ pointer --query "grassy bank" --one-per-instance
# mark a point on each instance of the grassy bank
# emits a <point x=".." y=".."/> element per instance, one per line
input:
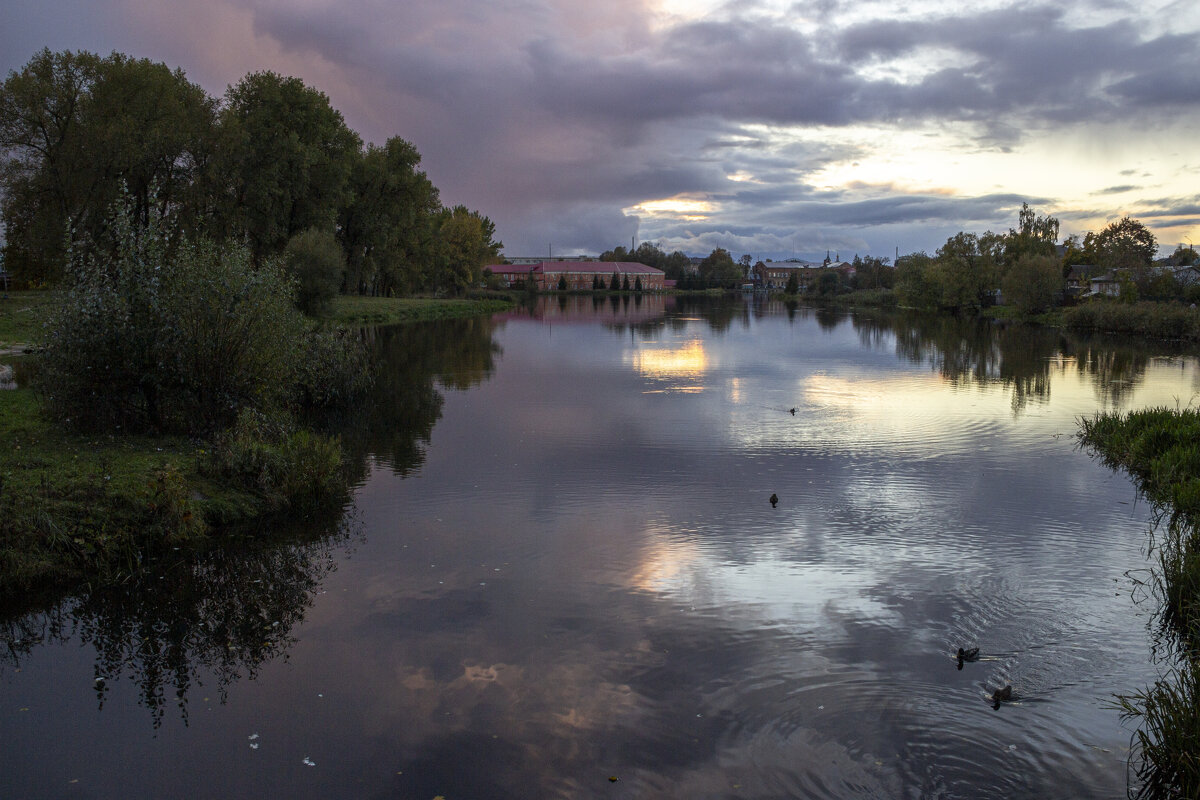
<point x="353" y="310"/>
<point x="77" y="507"/>
<point x="1160" y="448"/>
<point x="74" y="507"/>
<point x="21" y="315"/>
<point x="1156" y="320"/>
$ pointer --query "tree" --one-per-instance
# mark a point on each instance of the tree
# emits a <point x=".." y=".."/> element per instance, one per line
<point x="625" y="283"/>
<point x="719" y="269"/>
<point x="387" y="227"/>
<point x="615" y="284"/>
<point x="963" y="275"/>
<point x="77" y="132"/>
<point x="1033" y="283"/>
<point x="637" y="284"/>
<point x="915" y="282"/>
<point x="315" y="261"/>
<point x="562" y="283"/>
<point x="465" y="245"/>
<point x="289" y="159"/>
<point x="1033" y="236"/>
<point x="793" y="282"/>
<point x="1125" y="244"/>
<point x="1183" y="257"/>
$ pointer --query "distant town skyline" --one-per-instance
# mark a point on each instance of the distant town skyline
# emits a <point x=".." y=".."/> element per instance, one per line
<point x="756" y="126"/>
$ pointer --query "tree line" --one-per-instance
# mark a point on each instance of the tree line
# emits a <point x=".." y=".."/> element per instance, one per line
<point x="1029" y="266"/>
<point x="270" y="165"/>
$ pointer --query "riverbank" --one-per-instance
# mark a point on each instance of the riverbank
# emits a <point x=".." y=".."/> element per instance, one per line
<point x="77" y="508"/>
<point x="356" y="311"/>
<point x="1171" y="321"/>
<point x="1160" y="449"/>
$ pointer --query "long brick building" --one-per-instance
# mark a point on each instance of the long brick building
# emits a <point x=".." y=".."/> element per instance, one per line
<point x="578" y="274"/>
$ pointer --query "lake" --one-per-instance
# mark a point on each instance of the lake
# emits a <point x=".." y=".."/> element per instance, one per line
<point x="560" y="568"/>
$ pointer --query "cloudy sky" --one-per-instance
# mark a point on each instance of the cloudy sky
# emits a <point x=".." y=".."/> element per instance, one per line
<point x="770" y="128"/>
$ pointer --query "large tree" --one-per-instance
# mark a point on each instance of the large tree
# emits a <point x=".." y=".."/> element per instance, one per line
<point x="1124" y="244"/>
<point x="465" y="244"/>
<point x="963" y="273"/>
<point x="289" y="160"/>
<point x="719" y="269"/>
<point x="387" y="227"/>
<point x="77" y="132"/>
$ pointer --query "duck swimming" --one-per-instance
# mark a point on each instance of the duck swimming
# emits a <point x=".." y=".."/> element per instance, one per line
<point x="967" y="655"/>
<point x="774" y="499"/>
<point x="1001" y="695"/>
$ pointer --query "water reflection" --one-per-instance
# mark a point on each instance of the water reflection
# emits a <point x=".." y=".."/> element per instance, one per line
<point x="411" y="362"/>
<point x="569" y="570"/>
<point x="218" y="617"/>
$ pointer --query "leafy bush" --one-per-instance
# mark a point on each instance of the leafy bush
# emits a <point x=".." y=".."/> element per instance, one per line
<point x="1162" y="320"/>
<point x="154" y="338"/>
<point x="316" y="262"/>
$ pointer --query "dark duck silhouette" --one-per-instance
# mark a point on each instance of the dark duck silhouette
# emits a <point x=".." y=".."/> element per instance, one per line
<point x="967" y="655"/>
<point x="1001" y="696"/>
<point x="774" y="499"/>
<point x="793" y="412"/>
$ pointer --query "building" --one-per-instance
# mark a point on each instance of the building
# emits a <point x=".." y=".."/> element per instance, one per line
<point x="578" y="274"/>
<point x="775" y="274"/>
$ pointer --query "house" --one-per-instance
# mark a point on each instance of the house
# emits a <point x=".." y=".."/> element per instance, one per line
<point x="1108" y="285"/>
<point x="1079" y="279"/>
<point x="1187" y="276"/>
<point x="579" y="274"/>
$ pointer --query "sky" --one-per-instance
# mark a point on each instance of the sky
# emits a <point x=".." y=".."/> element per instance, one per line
<point x="776" y="129"/>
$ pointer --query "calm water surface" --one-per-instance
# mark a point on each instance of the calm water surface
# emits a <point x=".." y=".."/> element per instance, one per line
<point x="561" y="567"/>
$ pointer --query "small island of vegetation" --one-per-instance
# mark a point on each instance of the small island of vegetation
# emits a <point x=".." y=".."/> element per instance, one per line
<point x="180" y="271"/>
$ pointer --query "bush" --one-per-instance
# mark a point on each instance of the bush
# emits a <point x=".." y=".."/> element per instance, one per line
<point x="289" y="468"/>
<point x="1161" y="320"/>
<point x="147" y="338"/>
<point x="316" y="262"/>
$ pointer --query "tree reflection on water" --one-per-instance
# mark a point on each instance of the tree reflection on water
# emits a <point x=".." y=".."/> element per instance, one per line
<point x="221" y="615"/>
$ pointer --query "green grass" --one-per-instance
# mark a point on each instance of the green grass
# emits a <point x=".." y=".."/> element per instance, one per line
<point x="21" y="315"/>
<point x="75" y="507"/>
<point x="1160" y="448"/>
<point x="351" y="310"/>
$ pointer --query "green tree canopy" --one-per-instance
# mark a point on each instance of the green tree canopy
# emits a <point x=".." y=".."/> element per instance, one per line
<point x="387" y="227"/>
<point x="1125" y="244"/>
<point x="718" y="268"/>
<point x="77" y="132"/>
<point x="466" y="244"/>
<point x="289" y="160"/>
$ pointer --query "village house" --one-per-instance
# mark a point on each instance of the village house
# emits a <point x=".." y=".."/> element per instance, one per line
<point x="578" y="274"/>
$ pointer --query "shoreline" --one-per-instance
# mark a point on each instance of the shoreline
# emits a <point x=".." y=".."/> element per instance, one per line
<point x="78" y="508"/>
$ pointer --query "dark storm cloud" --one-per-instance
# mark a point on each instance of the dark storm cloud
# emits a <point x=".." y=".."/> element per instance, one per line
<point x="552" y="116"/>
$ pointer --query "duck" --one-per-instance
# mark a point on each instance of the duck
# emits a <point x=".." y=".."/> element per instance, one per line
<point x="1001" y="695"/>
<point x="793" y="412"/>
<point x="967" y="655"/>
<point x="774" y="499"/>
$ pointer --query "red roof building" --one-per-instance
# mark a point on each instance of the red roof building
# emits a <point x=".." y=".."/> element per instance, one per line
<point x="579" y="274"/>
